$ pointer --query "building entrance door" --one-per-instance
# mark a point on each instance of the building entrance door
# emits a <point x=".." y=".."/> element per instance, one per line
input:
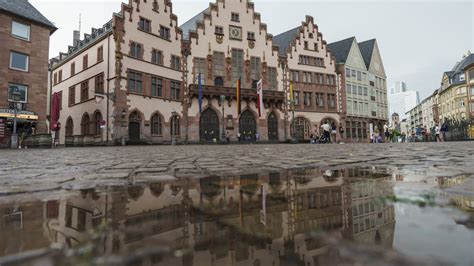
<point x="272" y="128"/>
<point x="247" y="126"/>
<point x="134" y="131"/>
<point x="209" y="126"/>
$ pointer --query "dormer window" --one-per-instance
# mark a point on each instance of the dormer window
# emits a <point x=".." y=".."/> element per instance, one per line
<point x="219" y="30"/>
<point x="235" y="17"/>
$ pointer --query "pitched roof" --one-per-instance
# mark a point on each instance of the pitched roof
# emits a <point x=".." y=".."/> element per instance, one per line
<point x="24" y="9"/>
<point x="190" y="25"/>
<point x="284" y="39"/>
<point x="458" y="69"/>
<point x="341" y="49"/>
<point x="367" y="49"/>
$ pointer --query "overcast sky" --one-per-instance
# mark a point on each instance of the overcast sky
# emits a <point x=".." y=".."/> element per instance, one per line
<point x="418" y="40"/>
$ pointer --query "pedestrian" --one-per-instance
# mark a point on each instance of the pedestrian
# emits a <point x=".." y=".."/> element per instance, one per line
<point x="227" y="136"/>
<point x="341" y="133"/>
<point x="22" y="139"/>
<point x="333" y="132"/>
<point x="376" y="134"/>
<point x="437" y="133"/>
<point x="326" y="132"/>
<point x="404" y="137"/>
<point x="444" y="130"/>
<point x="311" y="138"/>
<point x="238" y="136"/>
<point x="257" y="136"/>
<point x="386" y="133"/>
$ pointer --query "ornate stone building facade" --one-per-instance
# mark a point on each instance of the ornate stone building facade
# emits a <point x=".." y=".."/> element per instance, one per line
<point x="310" y="68"/>
<point x="135" y="80"/>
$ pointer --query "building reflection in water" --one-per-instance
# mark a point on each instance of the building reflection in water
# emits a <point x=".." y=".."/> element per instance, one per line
<point x="216" y="220"/>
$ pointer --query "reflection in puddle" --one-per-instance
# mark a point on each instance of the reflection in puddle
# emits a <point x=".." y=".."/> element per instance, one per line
<point x="213" y="220"/>
<point x="219" y="220"/>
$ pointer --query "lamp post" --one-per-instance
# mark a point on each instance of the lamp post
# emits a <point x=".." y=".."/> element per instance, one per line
<point x="14" y="138"/>
<point x="173" y="127"/>
<point x="223" y="137"/>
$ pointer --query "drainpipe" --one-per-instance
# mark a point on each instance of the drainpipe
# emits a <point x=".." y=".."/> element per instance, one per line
<point x="108" y="90"/>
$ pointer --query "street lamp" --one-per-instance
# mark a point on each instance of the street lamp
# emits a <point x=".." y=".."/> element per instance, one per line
<point x="223" y="136"/>
<point x="16" y="95"/>
<point x="173" y="127"/>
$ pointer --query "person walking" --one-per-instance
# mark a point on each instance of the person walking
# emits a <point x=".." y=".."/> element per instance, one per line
<point x="333" y="132"/>
<point x="444" y="130"/>
<point x="437" y="133"/>
<point x="239" y="136"/>
<point x="341" y="133"/>
<point x="376" y="134"/>
<point x="386" y="133"/>
<point x="227" y="136"/>
<point x="326" y="132"/>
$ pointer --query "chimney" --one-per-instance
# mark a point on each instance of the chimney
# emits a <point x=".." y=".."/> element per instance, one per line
<point x="76" y="37"/>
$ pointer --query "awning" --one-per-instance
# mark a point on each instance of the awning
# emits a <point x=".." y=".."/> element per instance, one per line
<point x="10" y="113"/>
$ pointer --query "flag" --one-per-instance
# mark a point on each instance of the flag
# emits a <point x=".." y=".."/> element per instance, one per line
<point x="238" y="94"/>
<point x="292" y="100"/>
<point x="260" y="98"/>
<point x="263" y="211"/>
<point x="200" y="93"/>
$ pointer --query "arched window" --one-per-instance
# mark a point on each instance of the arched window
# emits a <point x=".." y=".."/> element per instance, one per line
<point x="300" y="128"/>
<point x="156" y="125"/>
<point x="69" y="127"/>
<point x="135" y="117"/>
<point x="85" y="124"/>
<point x="97" y="120"/>
<point x="175" y="127"/>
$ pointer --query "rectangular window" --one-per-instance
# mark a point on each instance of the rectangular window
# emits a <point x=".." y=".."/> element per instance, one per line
<point x="60" y="76"/>
<point x="144" y="25"/>
<point x="219" y="30"/>
<point x="72" y="96"/>
<point x="55" y="78"/>
<point x="156" y="87"/>
<point x="73" y="69"/>
<point x="251" y="36"/>
<point x="175" y="90"/>
<point x="134" y="82"/>
<point x="255" y="68"/>
<point x="348" y="73"/>
<point x="332" y="100"/>
<point x="316" y="47"/>
<point x="218" y="61"/>
<point x="235" y="17"/>
<point x="272" y="78"/>
<point x="359" y="76"/>
<point x="135" y="50"/>
<point x="85" y="62"/>
<point x="320" y="99"/>
<point x="99" y="83"/>
<point x="307" y="99"/>
<point x="20" y="30"/>
<point x="359" y="90"/>
<point x="353" y="73"/>
<point x="19" y="61"/>
<point x="297" y="98"/>
<point x="321" y="79"/>
<point x="164" y="32"/>
<point x="237" y="64"/>
<point x="157" y="57"/>
<point x="348" y="88"/>
<point x="306" y="45"/>
<point x="22" y="89"/>
<point x="175" y="62"/>
<point x="366" y="93"/>
<point x="84" y="91"/>
<point x="200" y="68"/>
<point x="100" y="54"/>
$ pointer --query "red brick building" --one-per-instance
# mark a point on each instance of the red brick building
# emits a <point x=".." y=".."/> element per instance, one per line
<point x="24" y="38"/>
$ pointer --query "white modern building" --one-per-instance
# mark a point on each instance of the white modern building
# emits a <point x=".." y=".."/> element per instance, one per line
<point x="401" y="100"/>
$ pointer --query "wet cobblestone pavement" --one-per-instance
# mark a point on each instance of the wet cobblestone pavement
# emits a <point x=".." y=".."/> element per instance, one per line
<point x="351" y="204"/>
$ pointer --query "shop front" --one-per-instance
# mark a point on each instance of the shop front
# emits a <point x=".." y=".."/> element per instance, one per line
<point x="26" y="124"/>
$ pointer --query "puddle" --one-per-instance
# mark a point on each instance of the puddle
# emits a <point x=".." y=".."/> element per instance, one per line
<point x="298" y="217"/>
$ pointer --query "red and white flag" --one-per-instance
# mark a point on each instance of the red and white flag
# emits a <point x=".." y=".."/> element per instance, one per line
<point x="260" y="105"/>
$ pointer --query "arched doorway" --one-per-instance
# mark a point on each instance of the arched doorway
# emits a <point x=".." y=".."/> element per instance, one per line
<point x="300" y="128"/>
<point x="69" y="127"/>
<point x="134" y="126"/>
<point x="97" y="119"/>
<point x="272" y="127"/>
<point x="209" y="126"/>
<point x="247" y="126"/>
<point x="85" y="123"/>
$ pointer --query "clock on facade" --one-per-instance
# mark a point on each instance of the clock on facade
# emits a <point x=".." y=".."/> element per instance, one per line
<point x="235" y="33"/>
